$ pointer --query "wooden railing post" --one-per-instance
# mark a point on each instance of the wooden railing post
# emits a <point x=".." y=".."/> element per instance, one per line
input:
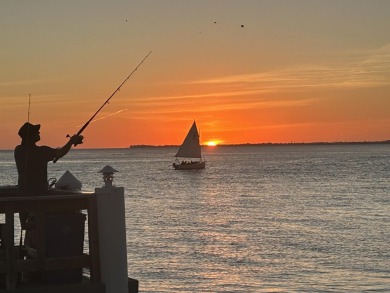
<point x="10" y="251"/>
<point x="93" y="237"/>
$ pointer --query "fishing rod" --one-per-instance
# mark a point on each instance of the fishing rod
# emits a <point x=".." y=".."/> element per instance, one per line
<point x="109" y="98"/>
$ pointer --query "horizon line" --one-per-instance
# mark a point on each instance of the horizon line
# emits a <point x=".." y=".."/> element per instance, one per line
<point x="241" y="144"/>
<point x="271" y="143"/>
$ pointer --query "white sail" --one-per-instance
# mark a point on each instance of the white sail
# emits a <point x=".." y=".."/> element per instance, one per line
<point x="190" y="148"/>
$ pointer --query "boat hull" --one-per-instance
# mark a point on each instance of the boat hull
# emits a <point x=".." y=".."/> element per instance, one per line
<point x="189" y="166"/>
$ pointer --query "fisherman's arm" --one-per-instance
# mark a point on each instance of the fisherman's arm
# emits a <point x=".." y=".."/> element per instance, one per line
<point x="74" y="140"/>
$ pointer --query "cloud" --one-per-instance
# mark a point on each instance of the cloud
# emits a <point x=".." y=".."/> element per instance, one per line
<point x="372" y="69"/>
<point x="208" y="105"/>
<point x="272" y="89"/>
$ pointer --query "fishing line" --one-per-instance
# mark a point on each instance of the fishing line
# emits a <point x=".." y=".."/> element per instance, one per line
<point x="27" y="142"/>
<point x="29" y="105"/>
<point x="23" y="217"/>
<point x="109" y="98"/>
<point x="109" y="115"/>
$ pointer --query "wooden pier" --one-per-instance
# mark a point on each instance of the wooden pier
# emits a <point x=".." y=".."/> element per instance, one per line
<point x="17" y="261"/>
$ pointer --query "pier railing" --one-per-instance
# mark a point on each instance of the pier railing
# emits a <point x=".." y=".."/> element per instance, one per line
<point x="13" y="266"/>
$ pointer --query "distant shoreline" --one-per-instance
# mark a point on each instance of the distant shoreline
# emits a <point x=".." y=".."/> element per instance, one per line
<point x="384" y="142"/>
<point x="274" y="144"/>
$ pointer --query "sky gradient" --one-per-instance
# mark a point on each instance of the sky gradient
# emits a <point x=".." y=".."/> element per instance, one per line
<point x="246" y="71"/>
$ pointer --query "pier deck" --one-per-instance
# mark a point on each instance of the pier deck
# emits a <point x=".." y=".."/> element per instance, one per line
<point x="13" y="264"/>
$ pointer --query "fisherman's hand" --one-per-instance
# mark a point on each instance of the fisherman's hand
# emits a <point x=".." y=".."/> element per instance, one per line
<point x="76" y="139"/>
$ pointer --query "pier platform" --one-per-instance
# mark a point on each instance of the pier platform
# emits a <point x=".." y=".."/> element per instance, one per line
<point x="74" y="268"/>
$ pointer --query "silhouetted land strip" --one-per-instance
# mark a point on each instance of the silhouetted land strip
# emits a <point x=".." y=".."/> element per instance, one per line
<point x="279" y="144"/>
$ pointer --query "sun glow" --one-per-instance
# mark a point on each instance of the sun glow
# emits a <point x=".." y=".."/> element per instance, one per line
<point x="211" y="143"/>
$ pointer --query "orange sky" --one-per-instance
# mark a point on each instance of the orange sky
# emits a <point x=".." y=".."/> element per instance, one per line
<point x="246" y="71"/>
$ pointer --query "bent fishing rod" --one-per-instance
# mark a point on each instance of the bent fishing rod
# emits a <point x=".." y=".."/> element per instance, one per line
<point x="107" y="101"/>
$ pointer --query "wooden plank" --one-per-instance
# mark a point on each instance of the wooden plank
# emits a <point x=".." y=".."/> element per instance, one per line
<point x="65" y="288"/>
<point x="54" y="263"/>
<point x="44" y="203"/>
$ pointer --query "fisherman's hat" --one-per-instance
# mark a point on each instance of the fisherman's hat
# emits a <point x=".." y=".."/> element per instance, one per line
<point x="28" y="129"/>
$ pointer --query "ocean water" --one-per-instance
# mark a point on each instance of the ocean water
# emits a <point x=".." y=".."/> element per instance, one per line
<point x="257" y="219"/>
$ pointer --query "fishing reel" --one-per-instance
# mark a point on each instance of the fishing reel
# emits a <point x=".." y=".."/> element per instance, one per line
<point x="79" y="139"/>
<point x="51" y="182"/>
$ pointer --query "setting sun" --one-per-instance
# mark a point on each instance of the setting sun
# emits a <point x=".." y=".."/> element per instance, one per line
<point x="211" y="143"/>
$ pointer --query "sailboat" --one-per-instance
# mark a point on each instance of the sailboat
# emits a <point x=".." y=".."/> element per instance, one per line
<point x="189" y="155"/>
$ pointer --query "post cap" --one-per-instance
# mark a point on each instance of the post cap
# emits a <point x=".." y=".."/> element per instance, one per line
<point x="107" y="169"/>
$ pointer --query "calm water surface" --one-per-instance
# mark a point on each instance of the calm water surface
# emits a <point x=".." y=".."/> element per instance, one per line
<point x="257" y="219"/>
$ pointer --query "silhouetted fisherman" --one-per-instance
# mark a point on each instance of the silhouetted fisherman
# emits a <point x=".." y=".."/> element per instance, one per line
<point x="31" y="161"/>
